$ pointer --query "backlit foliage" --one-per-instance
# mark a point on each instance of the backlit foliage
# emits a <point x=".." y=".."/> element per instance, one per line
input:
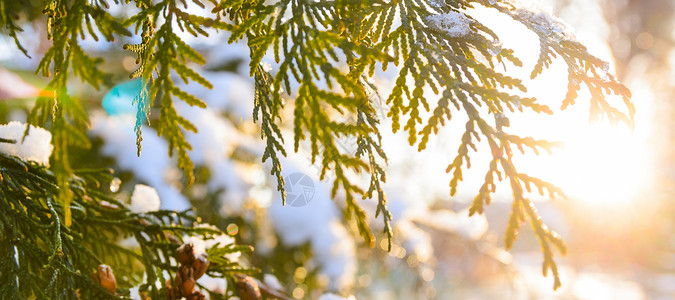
<point x="325" y="52"/>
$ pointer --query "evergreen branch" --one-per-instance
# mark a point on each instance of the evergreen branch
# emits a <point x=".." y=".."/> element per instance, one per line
<point x="159" y="52"/>
<point x="8" y="13"/>
<point x="42" y="246"/>
<point x="555" y="40"/>
<point x="308" y="50"/>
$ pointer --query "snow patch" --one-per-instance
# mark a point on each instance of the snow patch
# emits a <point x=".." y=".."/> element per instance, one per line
<point x="542" y="19"/>
<point x="272" y="282"/>
<point x="151" y="167"/>
<point x="454" y="24"/>
<point x="221" y="240"/>
<point x="331" y="296"/>
<point x="198" y="245"/>
<point x="35" y="147"/>
<point x="144" y="199"/>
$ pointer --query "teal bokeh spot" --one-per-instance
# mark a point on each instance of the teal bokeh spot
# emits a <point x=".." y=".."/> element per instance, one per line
<point x="120" y="98"/>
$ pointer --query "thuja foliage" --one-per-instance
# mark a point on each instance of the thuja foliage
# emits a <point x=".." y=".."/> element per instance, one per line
<point x="325" y="53"/>
<point x="45" y="259"/>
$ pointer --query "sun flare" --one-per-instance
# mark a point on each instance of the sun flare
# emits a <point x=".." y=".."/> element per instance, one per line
<point x="599" y="163"/>
<point x="605" y="165"/>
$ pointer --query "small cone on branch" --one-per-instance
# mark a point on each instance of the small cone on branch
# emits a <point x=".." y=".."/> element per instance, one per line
<point x="247" y="288"/>
<point x="197" y="296"/>
<point x="200" y="265"/>
<point x="105" y="277"/>
<point x="170" y="291"/>
<point x="190" y="269"/>
<point x="185" y="281"/>
<point x="185" y="254"/>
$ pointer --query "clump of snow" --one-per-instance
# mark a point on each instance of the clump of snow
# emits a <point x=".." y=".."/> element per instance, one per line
<point x="454" y="24"/>
<point x="216" y="285"/>
<point x="144" y="199"/>
<point x="495" y="47"/>
<point x="198" y="245"/>
<point x="272" y="282"/>
<point x="134" y="293"/>
<point x="436" y="3"/>
<point x="212" y="146"/>
<point x="35" y="147"/>
<point x="542" y="19"/>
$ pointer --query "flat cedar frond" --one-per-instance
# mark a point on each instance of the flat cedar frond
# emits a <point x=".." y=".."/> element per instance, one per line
<point x="159" y="52"/>
<point x="445" y="58"/>
<point x="8" y="12"/>
<point x="266" y="109"/>
<point x="555" y="40"/>
<point x="305" y="46"/>
<point x="68" y="118"/>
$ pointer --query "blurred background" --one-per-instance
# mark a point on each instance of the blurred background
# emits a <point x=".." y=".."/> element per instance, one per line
<point x="618" y="220"/>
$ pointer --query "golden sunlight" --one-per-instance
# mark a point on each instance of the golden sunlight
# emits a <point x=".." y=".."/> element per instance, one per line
<point x="599" y="163"/>
<point x="605" y="165"/>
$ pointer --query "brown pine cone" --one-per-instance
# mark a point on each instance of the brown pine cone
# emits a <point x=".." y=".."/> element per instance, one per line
<point x="187" y="281"/>
<point x="200" y="265"/>
<point x="247" y="287"/>
<point x="170" y="291"/>
<point x="196" y="296"/>
<point x="105" y="277"/>
<point x="185" y="254"/>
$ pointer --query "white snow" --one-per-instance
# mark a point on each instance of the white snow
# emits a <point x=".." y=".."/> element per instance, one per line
<point x="144" y="199"/>
<point x="212" y="146"/>
<point x="454" y="24"/>
<point x="134" y="293"/>
<point x="331" y="296"/>
<point x="35" y="147"/>
<point x="436" y="3"/>
<point x="151" y="167"/>
<point x="198" y="245"/>
<point x="543" y="20"/>
<point x="216" y="285"/>
<point x="272" y="282"/>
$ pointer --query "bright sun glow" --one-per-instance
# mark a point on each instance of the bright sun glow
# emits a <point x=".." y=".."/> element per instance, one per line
<point x="600" y="163"/>
<point x="603" y="165"/>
